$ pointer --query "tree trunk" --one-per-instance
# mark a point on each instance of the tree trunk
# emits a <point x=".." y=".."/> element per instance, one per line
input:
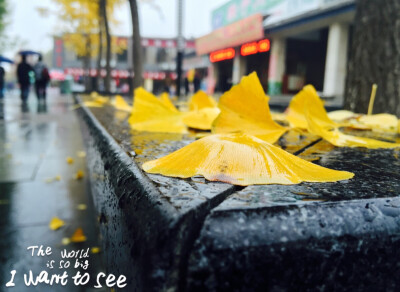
<point x="86" y="64"/>
<point x="375" y="57"/>
<point x="99" y="57"/>
<point x="137" y="46"/>
<point x="107" y="83"/>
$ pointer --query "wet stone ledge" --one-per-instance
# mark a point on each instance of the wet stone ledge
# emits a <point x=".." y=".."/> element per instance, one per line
<point x="194" y="235"/>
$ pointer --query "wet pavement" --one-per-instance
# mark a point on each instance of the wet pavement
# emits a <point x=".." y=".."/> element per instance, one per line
<point x="35" y="141"/>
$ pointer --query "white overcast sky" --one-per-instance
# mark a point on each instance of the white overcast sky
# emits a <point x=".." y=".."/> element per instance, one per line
<point x="26" y="23"/>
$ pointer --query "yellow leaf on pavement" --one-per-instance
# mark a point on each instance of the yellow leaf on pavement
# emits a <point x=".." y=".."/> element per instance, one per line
<point x="340" y="139"/>
<point x="296" y="112"/>
<point x="56" y="223"/>
<point x="201" y="119"/>
<point x="164" y="97"/>
<point x="69" y="160"/>
<point x="241" y="159"/>
<point x="79" y="174"/>
<point x="244" y="108"/>
<point x="201" y="100"/>
<point x="120" y="104"/>
<point x="78" y="236"/>
<point x="152" y="115"/>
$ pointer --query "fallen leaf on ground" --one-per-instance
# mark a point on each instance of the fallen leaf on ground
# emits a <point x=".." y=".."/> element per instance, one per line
<point x="65" y="241"/>
<point x="244" y="108"/>
<point x="201" y="100"/>
<point x="164" y="97"/>
<point x="241" y="159"/>
<point x="69" y="160"/>
<point x="51" y="179"/>
<point x="341" y="115"/>
<point x="79" y="174"/>
<point x="201" y="119"/>
<point x="81" y="207"/>
<point x="152" y="115"/>
<point x="308" y="98"/>
<point x="78" y="236"/>
<point x="56" y="223"/>
<point x="120" y="104"/>
<point x="81" y="154"/>
<point x="340" y="139"/>
<point x="95" y="250"/>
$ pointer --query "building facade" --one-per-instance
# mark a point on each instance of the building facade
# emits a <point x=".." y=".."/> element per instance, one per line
<point x="159" y="55"/>
<point x="289" y="43"/>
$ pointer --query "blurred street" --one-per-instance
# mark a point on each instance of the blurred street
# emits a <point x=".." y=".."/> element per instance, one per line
<point x="37" y="184"/>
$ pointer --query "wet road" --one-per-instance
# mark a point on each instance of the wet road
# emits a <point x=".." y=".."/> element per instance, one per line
<point x="35" y="141"/>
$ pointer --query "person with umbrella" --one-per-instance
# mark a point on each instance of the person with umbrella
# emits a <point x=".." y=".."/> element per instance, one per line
<point x="23" y="75"/>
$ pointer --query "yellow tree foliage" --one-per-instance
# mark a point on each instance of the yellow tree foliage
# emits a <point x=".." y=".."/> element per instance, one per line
<point x="82" y="21"/>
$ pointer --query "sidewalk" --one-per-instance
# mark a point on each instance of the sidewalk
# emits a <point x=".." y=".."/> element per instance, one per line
<point x="34" y="143"/>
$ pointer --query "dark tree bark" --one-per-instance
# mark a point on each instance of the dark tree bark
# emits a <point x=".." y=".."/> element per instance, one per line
<point x="137" y="46"/>
<point x="375" y="57"/>
<point x="107" y="81"/>
<point x="99" y="57"/>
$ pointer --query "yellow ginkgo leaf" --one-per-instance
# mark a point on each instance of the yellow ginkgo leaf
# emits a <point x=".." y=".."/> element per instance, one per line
<point x="95" y="250"/>
<point x="164" y="97"/>
<point x="201" y="100"/>
<point x="280" y="117"/>
<point x="69" y="160"/>
<point x="241" y="159"/>
<point x="78" y="236"/>
<point x="341" y="115"/>
<point x="121" y="104"/>
<point x="244" y="108"/>
<point x="340" y="139"/>
<point x="98" y="98"/>
<point x="296" y="112"/>
<point x="380" y="122"/>
<point x="201" y="119"/>
<point x="79" y="174"/>
<point x="56" y="223"/>
<point x="90" y="103"/>
<point x="152" y="115"/>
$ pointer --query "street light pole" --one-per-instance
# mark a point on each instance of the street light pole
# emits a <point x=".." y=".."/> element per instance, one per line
<point x="180" y="47"/>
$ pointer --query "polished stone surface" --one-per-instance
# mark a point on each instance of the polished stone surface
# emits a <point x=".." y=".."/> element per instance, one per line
<point x="34" y="142"/>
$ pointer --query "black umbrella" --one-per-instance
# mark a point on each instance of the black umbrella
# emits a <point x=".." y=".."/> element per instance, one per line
<point x="28" y="53"/>
<point x="4" y="59"/>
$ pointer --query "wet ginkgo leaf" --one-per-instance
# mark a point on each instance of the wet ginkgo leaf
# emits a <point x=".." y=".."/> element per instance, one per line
<point x="201" y="100"/>
<point x="380" y="122"/>
<point x="78" y="236"/>
<point x="79" y="174"/>
<point x="90" y="103"/>
<point x="296" y="112"/>
<point x="241" y="159"/>
<point x="164" y="97"/>
<point x="340" y="139"/>
<point x="201" y="119"/>
<point x="341" y="115"/>
<point x="244" y="108"/>
<point x="56" y="223"/>
<point x="121" y="104"/>
<point x="95" y="250"/>
<point x="152" y="115"/>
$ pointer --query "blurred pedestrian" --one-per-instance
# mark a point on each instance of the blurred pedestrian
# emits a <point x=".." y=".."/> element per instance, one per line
<point x="23" y="71"/>
<point x="42" y="78"/>
<point x="196" y="82"/>
<point x="2" y="73"/>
